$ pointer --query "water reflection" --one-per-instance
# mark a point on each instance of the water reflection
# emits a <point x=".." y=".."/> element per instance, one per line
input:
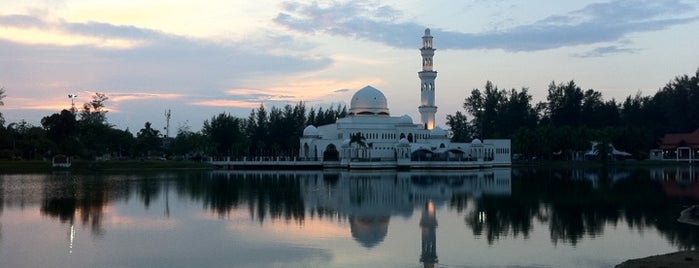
<point x="428" y="228"/>
<point x="576" y="203"/>
<point x="496" y="204"/>
<point x="370" y="199"/>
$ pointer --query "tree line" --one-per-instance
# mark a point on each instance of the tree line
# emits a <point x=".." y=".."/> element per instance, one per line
<point x="567" y="121"/>
<point x="86" y="133"/>
<point x="571" y="118"/>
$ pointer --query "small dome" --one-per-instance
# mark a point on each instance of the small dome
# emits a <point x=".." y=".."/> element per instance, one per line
<point x="438" y="132"/>
<point x="406" y="119"/>
<point x="427" y="31"/>
<point x="476" y="141"/>
<point x="310" y="130"/>
<point x="346" y="143"/>
<point x="368" y="101"/>
<point x="403" y="141"/>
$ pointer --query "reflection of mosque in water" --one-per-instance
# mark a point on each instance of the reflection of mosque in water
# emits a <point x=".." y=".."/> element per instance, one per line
<point x="369" y="199"/>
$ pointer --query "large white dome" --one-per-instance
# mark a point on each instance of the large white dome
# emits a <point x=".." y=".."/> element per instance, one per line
<point x="368" y="101"/>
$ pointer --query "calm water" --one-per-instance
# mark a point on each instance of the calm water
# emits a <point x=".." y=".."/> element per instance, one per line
<point x="494" y="218"/>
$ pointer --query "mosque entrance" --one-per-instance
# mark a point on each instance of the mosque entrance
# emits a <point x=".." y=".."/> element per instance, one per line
<point x="331" y="153"/>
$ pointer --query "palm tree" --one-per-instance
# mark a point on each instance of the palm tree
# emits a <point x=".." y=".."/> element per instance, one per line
<point x="604" y="149"/>
<point x="359" y="139"/>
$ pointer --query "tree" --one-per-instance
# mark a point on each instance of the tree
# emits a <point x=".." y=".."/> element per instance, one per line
<point x="461" y="129"/>
<point x="564" y="103"/>
<point x="2" y="96"/>
<point x="62" y="129"/>
<point x="227" y="134"/>
<point x="93" y="127"/>
<point x="516" y="112"/>
<point x="359" y="140"/>
<point x="190" y="144"/>
<point x="28" y="141"/>
<point x="121" y="142"/>
<point x="148" y="140"/>
<point x="499" y="113"/>
<point x="94" y="112"/>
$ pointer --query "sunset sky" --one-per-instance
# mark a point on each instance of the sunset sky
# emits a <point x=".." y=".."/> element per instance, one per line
<point x="201" y="58"/>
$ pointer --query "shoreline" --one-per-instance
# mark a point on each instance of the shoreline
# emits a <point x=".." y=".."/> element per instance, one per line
<point x="679" y="259"/>
<point x="35" y="166"/>
<point x="18" y="166"/>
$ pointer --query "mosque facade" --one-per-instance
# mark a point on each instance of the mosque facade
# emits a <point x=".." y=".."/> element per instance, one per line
<point x="369" y="137"/>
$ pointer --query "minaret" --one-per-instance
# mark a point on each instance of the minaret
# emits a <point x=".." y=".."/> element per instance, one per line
<point x="427" y="76"/>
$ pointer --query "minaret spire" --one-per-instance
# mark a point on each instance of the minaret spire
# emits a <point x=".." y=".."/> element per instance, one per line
<point x="427" y="77"/>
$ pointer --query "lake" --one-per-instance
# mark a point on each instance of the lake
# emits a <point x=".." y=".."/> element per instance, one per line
<point x="520" y="217"/>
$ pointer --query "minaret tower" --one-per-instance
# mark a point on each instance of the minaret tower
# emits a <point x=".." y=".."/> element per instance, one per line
<point x="427" y="76"/>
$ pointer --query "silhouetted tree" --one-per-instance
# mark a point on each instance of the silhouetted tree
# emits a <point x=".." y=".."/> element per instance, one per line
<point x="148" y="140"/>
<point x="62" y="129"/>
<point x="2" y="96"/>
<point x="226" y="132"/>
<point x="461" y="129"/>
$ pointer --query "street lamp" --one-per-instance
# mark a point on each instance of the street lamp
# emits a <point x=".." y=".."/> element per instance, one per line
<point x="72" y="98"/>
<point x="481" y="112"/>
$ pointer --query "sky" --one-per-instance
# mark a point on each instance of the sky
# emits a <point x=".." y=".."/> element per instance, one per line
<point x="201" y="58"/>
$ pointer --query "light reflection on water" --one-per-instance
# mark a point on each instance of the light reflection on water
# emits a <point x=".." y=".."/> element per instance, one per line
<point x="481" y="218"/>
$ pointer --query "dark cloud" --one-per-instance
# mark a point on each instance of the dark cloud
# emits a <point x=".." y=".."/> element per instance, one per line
<point x="158" y="62"/>
<point x="23" y="21"/>
<point x="596" y="23"/>
<point x="118" y="31"/>
<point x="606" y="50"/>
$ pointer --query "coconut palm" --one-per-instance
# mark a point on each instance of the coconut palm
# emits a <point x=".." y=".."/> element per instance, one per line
<point x="360" y="140"/>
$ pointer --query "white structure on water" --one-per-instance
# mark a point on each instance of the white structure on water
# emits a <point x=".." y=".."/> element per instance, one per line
<point x="371" y="138"/>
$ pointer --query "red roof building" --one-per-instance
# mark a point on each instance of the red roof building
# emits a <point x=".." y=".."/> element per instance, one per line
<point x="678" y="146"/>
<point x="675" y="140"/>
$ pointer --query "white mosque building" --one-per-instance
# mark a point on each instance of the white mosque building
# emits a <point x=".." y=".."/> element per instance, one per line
<point x="371" y="138"/>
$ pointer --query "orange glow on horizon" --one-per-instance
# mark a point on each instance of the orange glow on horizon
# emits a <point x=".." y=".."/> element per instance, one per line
<point x="119" y="97"/>
<point x="309" y="228"/>
<point x="306" y="91"/>
<point x="58" y="38"/>
<point x="286" y="229"/>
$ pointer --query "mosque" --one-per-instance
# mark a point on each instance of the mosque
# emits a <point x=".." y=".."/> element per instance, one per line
<point x="369" y="137"/>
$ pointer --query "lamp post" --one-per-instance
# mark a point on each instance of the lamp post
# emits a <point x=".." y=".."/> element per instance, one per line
<point x="481" y="112"/>
<point x="72" y="98"/>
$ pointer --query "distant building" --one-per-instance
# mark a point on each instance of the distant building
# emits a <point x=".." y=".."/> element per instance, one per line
<point x="612" y="152"/>
<point x="371" y="138"/>
<point x="677" y="147"/>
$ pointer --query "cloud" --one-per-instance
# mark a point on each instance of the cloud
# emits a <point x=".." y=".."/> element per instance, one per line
<point x="596" y="23"/>
<point x="606" y="50"/>
<point x="160" y="62"/>
<point x="120" y="97"/>
<point x="23" y="21"/>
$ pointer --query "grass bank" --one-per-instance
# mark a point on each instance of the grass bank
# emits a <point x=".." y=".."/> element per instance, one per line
<point x="7" y="166"/>
<point x="597" y="164"/>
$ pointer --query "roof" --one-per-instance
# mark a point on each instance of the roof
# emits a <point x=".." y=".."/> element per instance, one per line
<point x="368" y="101"/>
<point x="674" y="140"/>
